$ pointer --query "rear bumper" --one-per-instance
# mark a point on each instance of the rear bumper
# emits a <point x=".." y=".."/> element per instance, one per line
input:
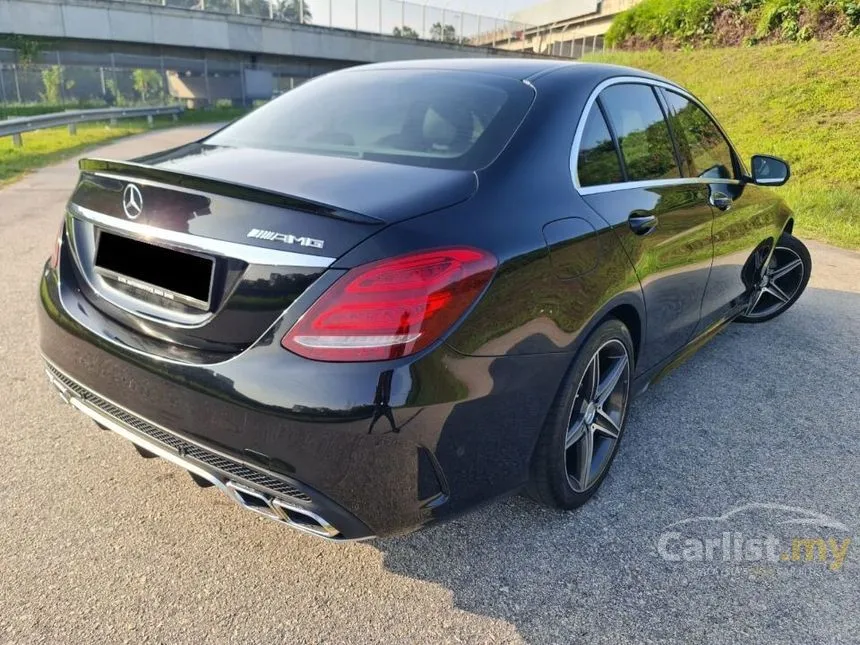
<point x="255" y="490"/>
<point x="369" y="449"/>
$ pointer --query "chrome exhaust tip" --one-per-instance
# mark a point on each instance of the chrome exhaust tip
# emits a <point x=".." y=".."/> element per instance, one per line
<point x="305" y="520"/>
<point x="253" y="500"/>
<point x="281" y="511"/>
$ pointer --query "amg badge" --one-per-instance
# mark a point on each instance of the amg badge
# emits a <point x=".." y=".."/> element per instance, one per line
<point x="285" y="238"/>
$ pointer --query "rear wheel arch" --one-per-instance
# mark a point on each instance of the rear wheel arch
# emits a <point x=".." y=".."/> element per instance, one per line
<point x="629" y="316"/>
<point x="626" y="307"/>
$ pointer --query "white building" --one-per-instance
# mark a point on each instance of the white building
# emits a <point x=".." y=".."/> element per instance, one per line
<point x="567" y="28"/>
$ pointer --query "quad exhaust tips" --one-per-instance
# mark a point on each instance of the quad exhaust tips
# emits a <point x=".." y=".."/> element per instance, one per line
<point x="281" y="511"/>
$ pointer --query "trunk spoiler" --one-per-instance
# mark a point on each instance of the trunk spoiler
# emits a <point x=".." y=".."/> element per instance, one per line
<point x="218" y="187"/>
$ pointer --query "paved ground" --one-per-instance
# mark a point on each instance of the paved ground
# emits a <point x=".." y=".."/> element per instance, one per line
<point x="98" y="545"/>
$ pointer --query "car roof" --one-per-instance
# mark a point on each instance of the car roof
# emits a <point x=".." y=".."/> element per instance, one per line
<point x="516" y="68"/>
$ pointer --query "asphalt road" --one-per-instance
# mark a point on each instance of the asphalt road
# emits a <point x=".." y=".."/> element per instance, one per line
<point x="99" y="545"/>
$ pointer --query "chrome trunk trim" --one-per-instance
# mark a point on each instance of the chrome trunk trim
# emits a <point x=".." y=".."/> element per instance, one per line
<point x="245" y="252"/>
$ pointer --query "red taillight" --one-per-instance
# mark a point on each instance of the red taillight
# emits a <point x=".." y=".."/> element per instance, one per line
<point x="391" y="308"/>
<point x="58" y="243"/>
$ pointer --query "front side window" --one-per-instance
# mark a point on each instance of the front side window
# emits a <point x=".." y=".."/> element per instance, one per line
<point x="597" y="161"/>
<point x="702" y="146"/>
<point x="642" y="132"/>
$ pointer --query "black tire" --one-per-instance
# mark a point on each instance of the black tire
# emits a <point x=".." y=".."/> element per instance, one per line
<point x="774" y="295"/>
<point x="552" y="483"/>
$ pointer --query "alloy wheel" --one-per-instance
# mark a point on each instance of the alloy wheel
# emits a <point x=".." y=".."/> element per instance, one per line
<point x="780" y="280"/>
<point x="597" y="415"/>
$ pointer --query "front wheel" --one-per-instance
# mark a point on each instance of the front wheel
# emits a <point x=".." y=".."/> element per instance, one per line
<point x="582" y="433"/>
<point x="780" y="282"/>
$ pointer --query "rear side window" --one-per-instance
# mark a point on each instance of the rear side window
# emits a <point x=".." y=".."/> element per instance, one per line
<point x="452" y="120"/>
<point x="597" y="162"/>
<point x="642" y="132"/>
<point x="700" y="143"/>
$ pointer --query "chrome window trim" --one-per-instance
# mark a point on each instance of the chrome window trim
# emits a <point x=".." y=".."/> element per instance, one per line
<point x="655" y="183"/>
<point x="648" y="183"/>
<point x="245" y="252"/>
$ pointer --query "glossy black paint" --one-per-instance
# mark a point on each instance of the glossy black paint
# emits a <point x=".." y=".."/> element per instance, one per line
<point x="389" y="446"/>
<point x="672" y="261"/>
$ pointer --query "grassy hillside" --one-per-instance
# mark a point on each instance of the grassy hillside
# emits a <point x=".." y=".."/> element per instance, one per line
<point x="797" y="101"/>
<point x="668" y="24"/>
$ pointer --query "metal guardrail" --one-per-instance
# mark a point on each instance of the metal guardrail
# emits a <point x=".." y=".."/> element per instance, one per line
<point x="16" y="126"/>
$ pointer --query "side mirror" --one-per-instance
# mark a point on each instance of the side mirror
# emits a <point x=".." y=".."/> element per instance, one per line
<point x="769" y="171"/>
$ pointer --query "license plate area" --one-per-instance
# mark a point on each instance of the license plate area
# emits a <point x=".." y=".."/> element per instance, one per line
<point x="160" y="272"/>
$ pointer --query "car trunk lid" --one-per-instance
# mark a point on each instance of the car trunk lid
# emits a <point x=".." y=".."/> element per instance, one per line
<point x="205" y="248"/>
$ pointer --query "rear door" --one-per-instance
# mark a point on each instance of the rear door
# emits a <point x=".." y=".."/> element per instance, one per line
<point x="662" y="219"/>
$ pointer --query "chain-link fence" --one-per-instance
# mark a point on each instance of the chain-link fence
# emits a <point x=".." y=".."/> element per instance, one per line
<point x="71" y="80"/>
<point x="76" y="86"/>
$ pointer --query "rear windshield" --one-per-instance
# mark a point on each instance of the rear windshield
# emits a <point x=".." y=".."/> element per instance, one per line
<point x="452" y="120"/>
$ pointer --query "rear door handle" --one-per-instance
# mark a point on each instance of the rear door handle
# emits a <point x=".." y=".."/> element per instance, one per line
<point x="642" y="223"/>
<point x="720" y="200"/>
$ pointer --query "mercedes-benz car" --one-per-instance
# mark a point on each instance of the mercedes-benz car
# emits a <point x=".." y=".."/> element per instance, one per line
<point x="401" y="290"/>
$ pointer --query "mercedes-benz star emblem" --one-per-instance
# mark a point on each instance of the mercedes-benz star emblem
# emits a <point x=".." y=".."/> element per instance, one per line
<point x="132" y="201"/>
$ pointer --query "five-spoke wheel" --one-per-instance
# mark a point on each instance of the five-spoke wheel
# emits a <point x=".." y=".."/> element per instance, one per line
<point x="780" y="281"/>
<point x="597" y="415"/>
<point x="584" y="429"/>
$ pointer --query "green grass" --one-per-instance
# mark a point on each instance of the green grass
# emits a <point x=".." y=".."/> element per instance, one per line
<point x="673" y="23"/>
<point x="797" y="101"/>
<point x="44" y="147"/>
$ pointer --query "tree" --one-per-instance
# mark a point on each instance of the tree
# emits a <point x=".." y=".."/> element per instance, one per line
<point x="446" y="34"/>
<point x="27" y="49"/>
<point x="52" y="80"/>
<point x="112" y="94"/>
<point x="290" y="10"/>
<point x="405" y="32"/>
<point x="147" y="83"/>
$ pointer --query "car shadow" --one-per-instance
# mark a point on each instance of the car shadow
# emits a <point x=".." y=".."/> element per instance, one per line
<point x="763" y="413"/>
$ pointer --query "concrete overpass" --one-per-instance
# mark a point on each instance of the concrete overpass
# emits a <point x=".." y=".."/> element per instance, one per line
<point x="207" y="51"/>
<point x="158" y="27"/>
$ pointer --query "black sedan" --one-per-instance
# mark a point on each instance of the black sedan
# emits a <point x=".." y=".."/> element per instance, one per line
<point x="402" y="290"/>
